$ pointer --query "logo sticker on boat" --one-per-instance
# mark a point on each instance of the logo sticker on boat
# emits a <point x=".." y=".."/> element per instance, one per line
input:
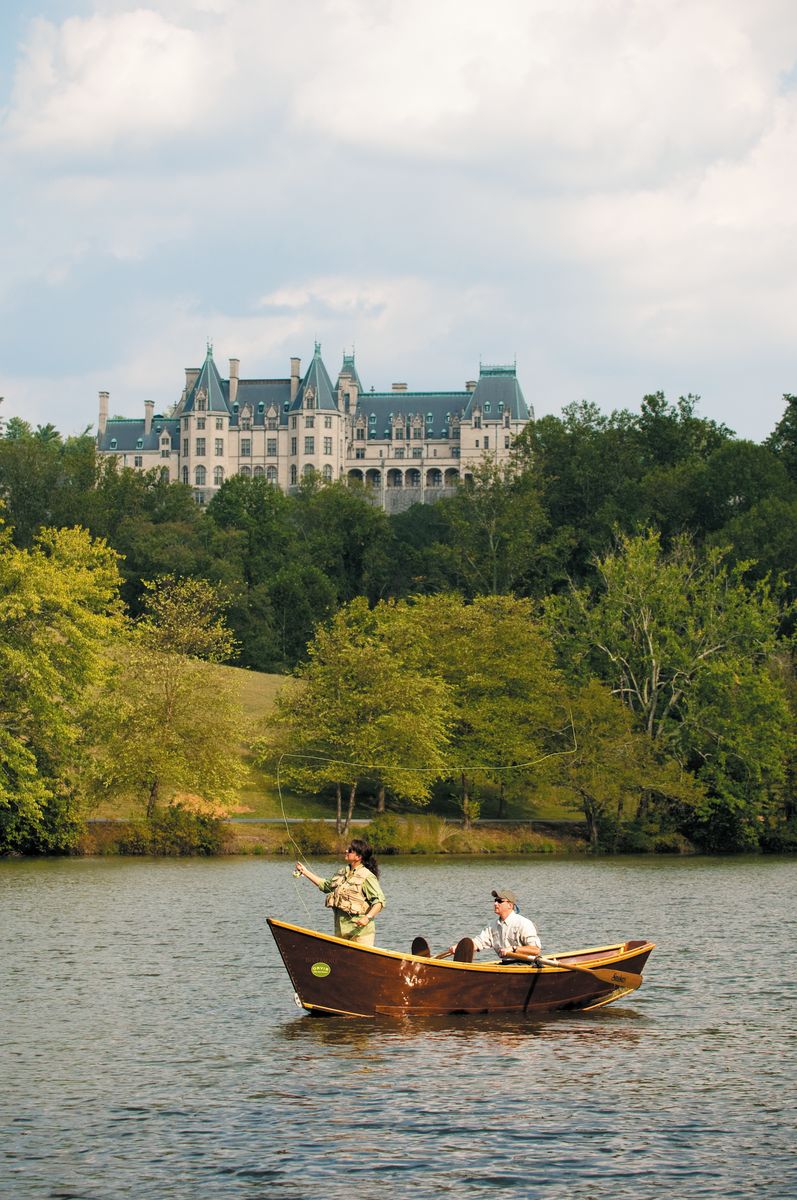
<point x="320" y="970"/>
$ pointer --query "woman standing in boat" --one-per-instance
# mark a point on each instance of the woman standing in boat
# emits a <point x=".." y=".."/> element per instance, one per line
<point x="353" y="893"/>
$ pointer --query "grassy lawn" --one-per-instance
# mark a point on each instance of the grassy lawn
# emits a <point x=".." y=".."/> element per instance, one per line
<point x="260" y="795"/>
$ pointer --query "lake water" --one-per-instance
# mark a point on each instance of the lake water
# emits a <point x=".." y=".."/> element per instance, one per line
<point x="151" y="1047"/>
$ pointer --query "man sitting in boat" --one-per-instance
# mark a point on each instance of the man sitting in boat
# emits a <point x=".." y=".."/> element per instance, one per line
<point x="510" y="933"/>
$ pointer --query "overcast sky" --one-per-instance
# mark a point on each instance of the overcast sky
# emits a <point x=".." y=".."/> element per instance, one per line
<point x="603" y="190"/>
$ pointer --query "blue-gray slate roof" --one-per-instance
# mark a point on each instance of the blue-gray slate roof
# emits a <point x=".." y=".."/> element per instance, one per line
<point x="126" y="435"/>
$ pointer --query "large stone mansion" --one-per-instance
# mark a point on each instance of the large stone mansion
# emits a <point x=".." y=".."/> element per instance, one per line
<point x="406" y="447"/>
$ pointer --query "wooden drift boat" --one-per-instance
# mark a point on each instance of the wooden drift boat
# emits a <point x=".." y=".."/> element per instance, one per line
<point x="332" y="976"/>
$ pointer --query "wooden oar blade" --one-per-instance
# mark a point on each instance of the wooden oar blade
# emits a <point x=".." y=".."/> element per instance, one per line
<point x="465" y="950"/>
<point x="613" y="975"/>
<point x="420" y="946"/>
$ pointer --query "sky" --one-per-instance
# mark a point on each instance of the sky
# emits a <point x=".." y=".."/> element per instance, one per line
<point x="602" y="191"/>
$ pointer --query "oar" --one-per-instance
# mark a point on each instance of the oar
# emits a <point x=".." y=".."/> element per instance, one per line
<point x="420" y="946"/>
<point x="625" y="979"/>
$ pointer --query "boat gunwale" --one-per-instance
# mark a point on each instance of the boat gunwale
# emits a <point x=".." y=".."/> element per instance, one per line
<point x="615" y="953"/>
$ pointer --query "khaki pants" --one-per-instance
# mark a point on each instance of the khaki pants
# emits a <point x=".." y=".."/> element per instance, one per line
<point x="365" y="938"/>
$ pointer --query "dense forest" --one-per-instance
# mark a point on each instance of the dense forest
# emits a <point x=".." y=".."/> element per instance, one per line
<point x="625" y="585"/>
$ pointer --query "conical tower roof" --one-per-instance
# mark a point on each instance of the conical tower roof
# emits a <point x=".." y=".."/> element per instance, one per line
<point x="316" y="385"/>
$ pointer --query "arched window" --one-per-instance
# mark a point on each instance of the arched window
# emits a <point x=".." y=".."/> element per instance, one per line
<point x="309" y="469"/>
<point x="246" y="472"/>
<point x="271" y="474"/>
<point x="293" y="473"/>
<point x="259" y="471"/>
<point x="327" y="472"/>
<point x="218" y="476"/>
<point x="199" y="476"/>
<point x="185" y="474"/>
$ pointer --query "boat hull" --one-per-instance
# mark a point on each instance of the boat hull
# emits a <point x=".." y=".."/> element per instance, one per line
<point x="332" y="976"/>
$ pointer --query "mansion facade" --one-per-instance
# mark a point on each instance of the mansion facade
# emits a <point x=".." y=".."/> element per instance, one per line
<point x="405" y="447"/>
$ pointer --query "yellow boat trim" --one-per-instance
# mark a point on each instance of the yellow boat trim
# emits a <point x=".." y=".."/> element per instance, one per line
<point x="610" y="954"/>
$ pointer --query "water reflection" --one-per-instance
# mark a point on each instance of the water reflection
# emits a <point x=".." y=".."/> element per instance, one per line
<point x="151" y="1047"/>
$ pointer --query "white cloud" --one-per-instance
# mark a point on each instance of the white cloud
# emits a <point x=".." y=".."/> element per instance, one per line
<point x="92" y="83"/>
<point x="602" y="186"/>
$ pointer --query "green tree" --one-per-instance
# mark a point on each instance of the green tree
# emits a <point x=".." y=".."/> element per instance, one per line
<point x="59" y="607"/>
<point x="495" y="531"/>
<point x="168" y="719"/>
<point x="359" y="714"/>
<point x="508" y="699"/>
<point x="613" y="772"/>
<point x="688" y="648"/>
<point x="783" y="439"/>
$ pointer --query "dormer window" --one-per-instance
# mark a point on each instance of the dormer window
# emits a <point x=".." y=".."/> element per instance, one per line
<point x="487" y="406"/>
<point x="113" y="443"/>
<point x="140" y="444"/>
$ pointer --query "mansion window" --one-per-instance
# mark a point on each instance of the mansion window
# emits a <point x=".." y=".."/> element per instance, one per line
<point x="455" y="451"/>
<point x="271" y="423"/>
<point x="259" y="472"/>
<point x="138" y="460"/>
<point x="201" y="402"/>
<point x="327" y="422"/>
<point x="359" y="435"/>
<point x="327" y="472"/>
<point x="294" y="475"/>
<point x="219" y="447"/>
<point x="486" y="442"/>
<point x="271" y="447"/>
<point x="200" y="447"/>
<point x="185" y="474"/>
<point x="200" y="476"/>
<point x="293" y="422"/>
<point x="309" y="422"/>
<point x="218" y="476"/>
<point x="506" y="442"/>
<point x="399" y="452"/>
<point x="327" y="445"/>
<point x="246" y="422"/>
<point x="293" y="445"/>
<point x="219" y="422"/>
<point x="185" y="447"/>
<point x="246" y="447"/>
<point x="246" y="472"/>
<point x="200" y="424"/>
<point x="359" y="452"/>
<point x="309" y="445"/>
<point x="417" y="452"/>
<point x="166" y="452"/>
<point x="271" y="474"/>
<point x="417" y="433"/>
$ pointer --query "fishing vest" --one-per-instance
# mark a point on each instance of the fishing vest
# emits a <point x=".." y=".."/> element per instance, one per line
<point x="347" y="894"/>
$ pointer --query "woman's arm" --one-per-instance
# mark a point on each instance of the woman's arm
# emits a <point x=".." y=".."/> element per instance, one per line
<point x="308" y="874"/>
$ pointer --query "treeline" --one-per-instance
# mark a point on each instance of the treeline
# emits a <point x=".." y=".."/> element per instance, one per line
<point x="657" y="704"/>
<point x="532" y="530"/>
<point x="598" y="522"/>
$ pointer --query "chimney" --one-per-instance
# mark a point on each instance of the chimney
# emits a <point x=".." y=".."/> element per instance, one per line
<point x="295" y="365"/>
<point x="191" y="376"/>
<point x="234" y="365"/>
<point x="103" y="420"/>
<point x="470" y="386"/>
<point x="398" y="387"/>
<point x="149" y="408"/>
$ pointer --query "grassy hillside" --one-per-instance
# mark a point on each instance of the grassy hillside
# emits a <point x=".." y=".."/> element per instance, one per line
<point x="260" y="796"/>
